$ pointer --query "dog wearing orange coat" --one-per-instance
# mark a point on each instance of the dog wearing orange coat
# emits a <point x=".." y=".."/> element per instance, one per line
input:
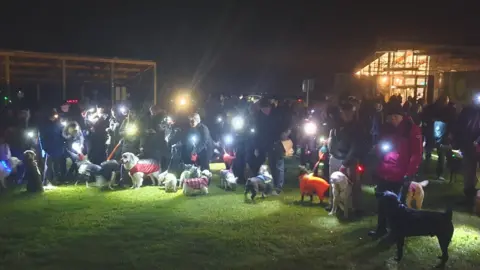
<point x="310" y="185"/>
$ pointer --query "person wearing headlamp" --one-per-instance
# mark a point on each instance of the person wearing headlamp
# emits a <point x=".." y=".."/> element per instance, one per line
<point x="343" y="146"/>
<point x="202" y="142"/>
<point x="400" y="155"/>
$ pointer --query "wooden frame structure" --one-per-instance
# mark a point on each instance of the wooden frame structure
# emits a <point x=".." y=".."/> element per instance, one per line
<point x="34" y="67"/>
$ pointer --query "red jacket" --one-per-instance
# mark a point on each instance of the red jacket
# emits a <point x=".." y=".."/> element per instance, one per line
<point x="145" y="166"/>
<point x="405" y="155"/>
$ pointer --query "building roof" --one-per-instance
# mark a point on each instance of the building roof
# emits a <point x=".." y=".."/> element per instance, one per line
<point x="40" y="67"/>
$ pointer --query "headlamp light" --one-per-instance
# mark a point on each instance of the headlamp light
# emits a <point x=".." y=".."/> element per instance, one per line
<point x="122" y="109"/>
<point x="77" y="147"/>
<point x="91" y="110"/>
<point x="228" y="139"/>
<point x="252" y="130"/>
<point x="131" y="129"/>
<point x="323" y="139"/>
<point x="238" y="122"/>
<point x="169" y="120"/>
<point x="310" y="128"/>
<point x="30" y="134"/>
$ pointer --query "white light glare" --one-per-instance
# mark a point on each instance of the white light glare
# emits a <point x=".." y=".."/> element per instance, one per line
<point x="322" y="139"/>
<point x="228" y="139"/>
<point x="312" y="111"/>
<point x="238" y="122"/>
<point x="30" y="134"/>
<point x="252" y="130"/>
<point x="77" y="147"/>
<point x="64" y="123"/>
<point x="91" y="110"/>
<point x="122" y="109"/>
<point x="219" y="119"/>
<point x="310" y="128"/>
<point x="386" y="147"/>
<point x="194" y="139"/>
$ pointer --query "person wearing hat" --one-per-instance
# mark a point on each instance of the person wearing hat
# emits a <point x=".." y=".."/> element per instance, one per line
<point x="203" y="144"/>
<point x="400" y="154"/>
<point x="343" y="145"/>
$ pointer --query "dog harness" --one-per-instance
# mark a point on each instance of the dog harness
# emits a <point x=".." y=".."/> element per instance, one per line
<point x="196" y="183"/>
<point x="264" y="178"/>
<point x="146" y="166"/>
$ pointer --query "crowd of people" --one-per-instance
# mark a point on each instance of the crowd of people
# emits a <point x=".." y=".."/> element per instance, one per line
<point x="357" y="129"/>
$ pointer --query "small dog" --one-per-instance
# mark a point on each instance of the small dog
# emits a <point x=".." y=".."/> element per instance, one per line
<point x="416" y="193"/>
<point x="341" y="192"/>
<point x="310" y="185"/>
<point x="190" y="171"/>
<point x="169" y="180"/>
<point x="261" y="183"/>
<point x="8" y="167"/>
<point x="138" y="168"/>
<point x="193" y="186"/>
<point x="454" y="160"/>
<point x="228" y="180"/>
<point x="406" y="222"/>
<point x="32" y="172"/>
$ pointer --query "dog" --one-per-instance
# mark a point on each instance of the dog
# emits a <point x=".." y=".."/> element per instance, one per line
<point x="310" y="185"/>
<point x="189" y="171"/>
<point x="138" y="168"/>
<point x="169" y="180"/>
<point x="193" y="186"/>
<point x="105" y="173"/>
<point x="228" y="180"/>
<point x="86" y="169"/>
<point x="32" y="172"/>
<point x="407" y="222"/>
<point x="6" y="168"/>
<point x="341" y="192"/>
<point x="261" y="183"/>
<point x="416" y="193"/>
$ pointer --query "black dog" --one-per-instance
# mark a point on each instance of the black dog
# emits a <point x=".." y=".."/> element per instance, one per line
<point x="454" y="163"/>
<point x="406" y="222"/>
<point x="258" y="184"/>
<point x="32" y="172"/>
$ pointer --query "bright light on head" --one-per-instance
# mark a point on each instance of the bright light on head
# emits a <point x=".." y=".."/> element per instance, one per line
<point x="312" y="111"/>
<point x="386" y="146"/>
<point x="131" y="129"/>
<point x="228" y="139"/>
<point x="323" y="140"/>
<point x="122" y="109"/>
<point x="182" y="102"/>
<point x="219" y="119"/>
<point x="238" y="122"/>
<point x="169" y="120"/>
<point x="77" y="147"/>
<point x="91" y="110"/>
<point x="55" y="116"/>
<point x="310" y="128"/>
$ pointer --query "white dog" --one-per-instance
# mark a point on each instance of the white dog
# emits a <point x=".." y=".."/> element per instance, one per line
<point x="416" y="193"/>
<point x="342" y="193"/>
<point x="6" y="168"/>
<point x="169" y="180"/>
<point x="190" y="171"/>
<point x="138" y="168"/>
<point x="228" y="180"/>
<point x="193" y="186"/>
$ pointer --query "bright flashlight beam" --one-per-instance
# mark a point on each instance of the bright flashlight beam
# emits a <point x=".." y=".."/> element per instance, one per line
<point x="64" y="123"/>
<point x="252" y="130"/>
<point x="131" y="130"/>
<point x="238" y="122"/>
<point x="219" y="119"/>
<point x="183" y="101"/>
<point x="122" y="109"/>
<point x="310" y="128"/>
<point x="91" y="110"/>
<point x="228" y="139"/>
<point x="30" y="134"/>
<point x="77" y="147"/>
<point x="386" y="147"/>
<point x="194" y="139"/>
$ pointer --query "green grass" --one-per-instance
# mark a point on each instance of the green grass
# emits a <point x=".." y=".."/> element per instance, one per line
<point x="76" y="228"/>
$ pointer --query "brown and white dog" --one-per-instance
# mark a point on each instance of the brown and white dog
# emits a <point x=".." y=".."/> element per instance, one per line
<point x="416" y="193"/>
<point x="138" y="168"/>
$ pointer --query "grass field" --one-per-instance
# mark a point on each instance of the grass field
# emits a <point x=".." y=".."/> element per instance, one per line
<point x="79" y="228"/>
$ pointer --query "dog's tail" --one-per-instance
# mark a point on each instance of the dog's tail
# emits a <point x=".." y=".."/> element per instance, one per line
<point x="423" y="183"/>
<point x="449" y="213"/>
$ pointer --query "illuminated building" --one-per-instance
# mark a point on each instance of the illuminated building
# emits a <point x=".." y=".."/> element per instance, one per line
<point x="417" y="70"/>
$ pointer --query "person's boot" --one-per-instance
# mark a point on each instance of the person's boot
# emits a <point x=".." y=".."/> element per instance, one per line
<point x="378" y="233"/>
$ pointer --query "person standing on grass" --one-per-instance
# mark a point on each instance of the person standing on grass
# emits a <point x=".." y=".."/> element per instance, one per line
<point x="343" y="146"/>
<point x="400" y="152"/>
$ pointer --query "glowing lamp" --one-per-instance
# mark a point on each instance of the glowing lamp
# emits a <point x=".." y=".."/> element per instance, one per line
<point x="131" y="129"/>
<point x="323" y="139"/>
<point x="238" y="122"/>
<point x="310" y="128"/>
<point x="312" y="111"/>
<point x="55" y="116"/>
<point x="91" y="110"/>
<point x="169" y="120"/>
<point x="386" y="147"/>
<point x="194" y="139"/>
<point x="30" y="134"/>
<point x="77" y="147"/>
<point x="64" y="123"/>
<point x="228" y="139"/>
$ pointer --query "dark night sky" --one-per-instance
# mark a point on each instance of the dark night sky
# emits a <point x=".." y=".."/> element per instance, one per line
<point x="234" y="45"/>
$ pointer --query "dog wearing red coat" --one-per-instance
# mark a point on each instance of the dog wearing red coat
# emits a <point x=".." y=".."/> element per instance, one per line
<point x="138" y="168"/>
<point x="310" y="185"/>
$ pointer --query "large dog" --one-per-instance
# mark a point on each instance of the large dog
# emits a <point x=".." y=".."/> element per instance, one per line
<point x="263" y="183"/>
<point x="341" y="192"/>
<point x="138" y="168"/>
<point x="32" y="172"/>
<point x="416" y="193"/>
<point x="406" y="222"/>
<point x="6" y="168"/>
<point x="194" y="186"/>
<point x="310" y="185"/>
